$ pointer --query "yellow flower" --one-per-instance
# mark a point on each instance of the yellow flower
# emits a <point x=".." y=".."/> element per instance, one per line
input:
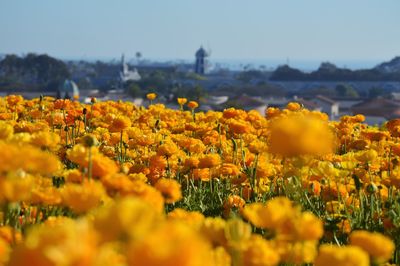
<point x="27" y="158"/>
<point x="259" y="252"/>
<point x="367" y="156"/>
<point x="300" y="134"/>
<point x="82" y="197"/>
<point x="66" y="243"/>
<point x="344" y="256"/>
<point x="6" y="130"/>
<point x="127" y="217"/>
<point x="13" y="100"/>
<point x="181" y="101"/>
<point x="73" y="176"/>
<point x="228" y="169"/>
<point x="170" y="189"/>
<point x="108" y="254"/>
<point x="272" y="215"/>
<point x="209" y="161"/>
<point x="15" y="187"/>
<point x="214" y="230"/>
<point x="103" y="166"/>
<point x="167" y="149"/>
<point x="79" y="154"/>
<point x="4" y="251"/>
<point x="257" y="146"/>
<point x="239" y="127"/>
<point x="221" y="257"/>
<point x="193" y="219"/>
<point x="378" y="246"/>
<point x="271" y="112"/>
<point x="233" y="201"/>
<point x="151" y="96"/>
<point x="309" y="227"/>
<point x="237" y="233"/>
<point x="296" y="253"/>
<point x="185" y="248"/>
<point x="44" y="139"/>
<point x="149" y="194"/>
<point x="45" y="196"/>
<point x="120" y="123"/>
<point x="201" y="174"/>
<point x="293" y="106"/>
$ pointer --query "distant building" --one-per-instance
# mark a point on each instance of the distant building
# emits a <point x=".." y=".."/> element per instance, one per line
<point x="328" y="106"/>
<point x="345" y="106"/>
<point x="310" y="105"/>
<point x="248" y="103"/>
<point x="201" y="61"/>
<point x="126" y="74"/>
<point x="377" y="110"/>
<point x="68" y="90"/>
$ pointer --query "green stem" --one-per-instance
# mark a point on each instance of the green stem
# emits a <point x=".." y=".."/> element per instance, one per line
<point x="90" y="165"/>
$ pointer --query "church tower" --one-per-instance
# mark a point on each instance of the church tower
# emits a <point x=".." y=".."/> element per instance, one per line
<point x="201" y="63"/>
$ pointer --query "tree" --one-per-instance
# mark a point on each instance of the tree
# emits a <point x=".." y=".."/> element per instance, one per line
<point x="138" y="57"/>
<point x="34" y="71"/>
<point x="133" y="89"/>
<point x="345" y="90"/>
<point x="375" y="92"/>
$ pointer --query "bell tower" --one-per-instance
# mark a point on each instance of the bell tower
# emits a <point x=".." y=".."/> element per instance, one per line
<point x="201" y="61"/>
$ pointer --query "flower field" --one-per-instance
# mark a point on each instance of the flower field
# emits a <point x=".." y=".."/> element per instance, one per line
<point x="109" y="183"/>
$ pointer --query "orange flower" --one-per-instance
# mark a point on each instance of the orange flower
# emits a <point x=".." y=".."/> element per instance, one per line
<point x="233" y="201"/>
<point x="170" y="189"/>
<point x="330" y="255"/>
<point x="209" y="161"/>
<point x="62" y="104"/>
<point x="167" y="149"/>
<point x="201" y="174"/>
<point x="120" y="123"/>
<point x="82" y="197"/>
<point x="293" y="106"/>
<point x="103" y="166"/>
<point x="228" y="169"/>
<point x="239" y="127"/>
<point x="377" y="245"/>
<point x="193" y="105"/>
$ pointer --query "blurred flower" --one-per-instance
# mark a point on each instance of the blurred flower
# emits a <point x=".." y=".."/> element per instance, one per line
<point x="347" y="256"/>
<point x="170" y="189"/>
<point x="151" y="96"/>
<point x="378" y="246"/>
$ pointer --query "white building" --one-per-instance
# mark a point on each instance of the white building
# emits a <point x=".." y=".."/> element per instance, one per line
<point x="328" y="106"/>
<point x="126" y="74"/>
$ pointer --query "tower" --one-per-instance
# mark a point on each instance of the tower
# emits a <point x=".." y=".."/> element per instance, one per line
<point x="126" y="74"/>
<point x="201" y="64"/>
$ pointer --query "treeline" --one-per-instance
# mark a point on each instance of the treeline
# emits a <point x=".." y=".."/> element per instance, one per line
<point x="329" y="72"/>
<point x="32" y="72"/>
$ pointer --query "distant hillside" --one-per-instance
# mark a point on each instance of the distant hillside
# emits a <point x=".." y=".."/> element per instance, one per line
<point x="32" y="72"/>
<point x="389" y="71"/>
<point x="393" y="66"/>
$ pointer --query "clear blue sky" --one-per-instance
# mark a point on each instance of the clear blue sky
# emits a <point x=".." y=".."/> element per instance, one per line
<point x="246" y="29"/>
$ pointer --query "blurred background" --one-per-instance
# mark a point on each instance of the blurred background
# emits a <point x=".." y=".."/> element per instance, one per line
<point x="340" y="57"/>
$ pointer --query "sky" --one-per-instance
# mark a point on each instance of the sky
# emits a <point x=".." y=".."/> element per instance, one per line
<point x="280" y="30"/>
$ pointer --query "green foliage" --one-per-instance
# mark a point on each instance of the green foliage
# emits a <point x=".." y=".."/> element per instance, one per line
<point x="34" y="71"/>
<point x="329" y="72"/>
<point x="345" y="90"/>
<point x="248" y="76"/>
<point x="376" y="92"/>
<point x="133" y="89"/>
